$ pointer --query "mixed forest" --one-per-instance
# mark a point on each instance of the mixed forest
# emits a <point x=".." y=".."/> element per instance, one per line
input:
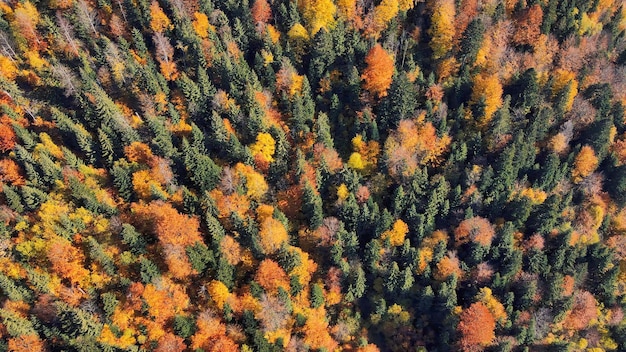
<point x="312" y="175"/>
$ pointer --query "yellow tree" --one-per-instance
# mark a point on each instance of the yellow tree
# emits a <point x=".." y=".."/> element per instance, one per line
<point x="584" y="164"/>
<point x="158" y="18"/>
<point x="384" y="12"/>
<point x="487" y="91"/>
<point x="318" y="14"/>
<point x="441" y="30"/>
<point x="378" y="74"/>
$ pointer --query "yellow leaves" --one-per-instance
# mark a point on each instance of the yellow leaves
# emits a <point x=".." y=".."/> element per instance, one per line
<point x="50" y="146"/>
<point x="267" y="56"/>
<point x="273" y="235"/>
<point x="265" y="146"/>
<point x="158" y="19"/>
<point x="365" y="154"/>
<point x="584" y="164"/>
<point x="536" y="196"/>
<point x="496" y="308"/>
<point x="442" y="30"/>
<point x="201" y="24"/>
<point x="384" y="12"/>
<point x="145" y="185"/>
<point x="298" y="33"/>
<point x="219" y="293"/>
<point x="318" y="14"/>
<point x="487" y="91"/>
<point x="558" y="143"/>
<point x="397" y="234"/>
<point x="356" y="161"/>
<point x="273" y="33"/>
<point x="108" y="337"/>
<point x="34" y="60"/>
<point x="589" y="25"/>
<point x="288" y="80"/>
<point x="563" y="79"/>
<point x="8" y="69"/>
<point x="406" y="5"/>
<point x="342" y="192"/>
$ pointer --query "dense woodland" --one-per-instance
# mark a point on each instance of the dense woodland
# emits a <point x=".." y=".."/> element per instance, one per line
<point x="312" y="175"/>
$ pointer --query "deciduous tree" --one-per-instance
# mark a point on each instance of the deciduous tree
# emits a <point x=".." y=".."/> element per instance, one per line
<point x="476" y="328"/>
<point x="378" y="74"/>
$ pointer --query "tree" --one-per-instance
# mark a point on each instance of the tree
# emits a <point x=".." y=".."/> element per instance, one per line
<point x="261" y="12"/>
<point x="7" y="137"/>
<point x="442" y="30"/>
<point x="584" y="164"/>
<point x="476" y="229"/>
<point x="476" y="327"/>
<point x="378" y="74"/>
<point x="271" y="276"/>
<point x="528" y="26"/>
<point x="487" y="91"/>
<point x="273" y="234"/>
<point x="158" y="19"/>
<point x="318" y="14"/>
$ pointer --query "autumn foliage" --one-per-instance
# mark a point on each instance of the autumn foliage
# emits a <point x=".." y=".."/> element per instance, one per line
<point x="477" y="230"/>
<point x="378" y="74"/>
<point x="476" y="327"/>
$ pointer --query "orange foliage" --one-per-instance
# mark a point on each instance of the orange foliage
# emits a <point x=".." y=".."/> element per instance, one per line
<point x="568" y="285"/>
<point x="165" y="299"/>
<point x="528" y="26"/>
<point x="316" y="330"/>
<point x="170" y="343"/>
<point x="208" y="330"/>
<point x="175" y="232"/>
<point x="582" y="313"/>
<point x="231" y="203"/>
<point x="476" y="327"/>
<point x="448" y="266"/>
<point x="231" y="250"/>
<point x="7" y="137"/>
<point x="378" y="74"/>
<point x="26" y="343"/>
<point x="273" y="234"/>
<point x="67" y="260"/>
<point x="25" y="20"/>
<point x="271" y="276"/>
<point x="139" y="153"/>
<point x="261" y="11"/>
<point x="477" y="229"/>
<point x="10" y="172"/>
<point x="159" y="20"/>
<point x="397" y="234"/>
<point x="584" y="164"/>
<point x="411" y="145"/>
<point x="467" y="12"/>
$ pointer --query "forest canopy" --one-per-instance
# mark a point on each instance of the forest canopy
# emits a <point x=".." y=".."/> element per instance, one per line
<point x="312" y="175"/>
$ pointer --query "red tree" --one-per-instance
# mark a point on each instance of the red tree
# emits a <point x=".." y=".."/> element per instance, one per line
<point x="476" y="327"/>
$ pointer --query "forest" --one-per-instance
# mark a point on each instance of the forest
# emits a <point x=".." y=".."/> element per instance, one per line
<point x="312" y="175"/>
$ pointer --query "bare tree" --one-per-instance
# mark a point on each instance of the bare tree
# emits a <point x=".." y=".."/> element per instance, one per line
<point x="67" y="79"/>
<point x="87" y="16"/>
<point x="7" y="46"/>
<point x="68" y="32"/>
